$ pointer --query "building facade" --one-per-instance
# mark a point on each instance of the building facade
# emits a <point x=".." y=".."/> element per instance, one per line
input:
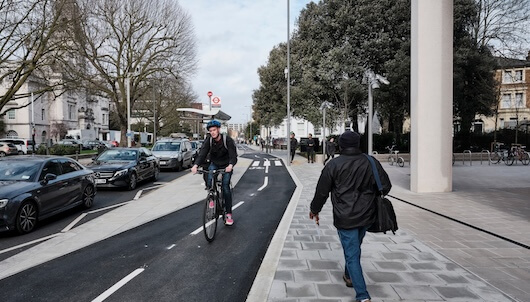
<point x="48" y="116"/>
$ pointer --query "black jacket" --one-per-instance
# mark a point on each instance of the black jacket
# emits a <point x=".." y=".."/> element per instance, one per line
<point x="350" y="180"/>
<point x="294" y="143"/>
<point x="219" y="155"/>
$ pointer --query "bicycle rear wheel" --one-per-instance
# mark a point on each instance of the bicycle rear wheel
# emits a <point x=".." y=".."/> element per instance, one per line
<point x="495" y="158"/>
<point x="391" y="160"/>
<point x="210" y="217"/>
<point x="525" y="158"/>
<point x="508" y="160"/>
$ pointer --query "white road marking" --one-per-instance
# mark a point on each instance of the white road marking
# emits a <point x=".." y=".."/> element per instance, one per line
<point x="28" y="243"/>
<point x="267" y="162"/>
<point x="255" y="163"/>
<point x="171" y="246"/>
<point x="118" y="285"/>
<point x="278" y="163"/>
<point x="73" y="223"/>
<point x="197" y="231"/>
<point x="264" y="184"/>
<point x="138" y="194"/>
<point x="109" y="207"/>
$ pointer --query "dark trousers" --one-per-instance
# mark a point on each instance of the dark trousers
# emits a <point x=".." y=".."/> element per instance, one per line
<point x="328" y="156"/>
<point x="310" y="155"/>
<point x="227" y="193"/>
<point x="293" y="151"/>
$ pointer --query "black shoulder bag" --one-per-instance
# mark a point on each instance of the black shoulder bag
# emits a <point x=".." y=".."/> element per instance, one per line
<point x="385" y="219"/>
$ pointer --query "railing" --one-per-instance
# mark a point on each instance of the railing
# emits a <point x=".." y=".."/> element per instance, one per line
<point x="489" y="156"/>
<point x="464" y="157"/>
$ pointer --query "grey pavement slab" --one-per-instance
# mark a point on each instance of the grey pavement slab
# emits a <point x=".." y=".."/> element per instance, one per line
<point x="431" y="258"/>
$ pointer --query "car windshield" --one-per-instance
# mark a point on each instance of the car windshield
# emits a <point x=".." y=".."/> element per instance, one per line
<point x="167" y="146"/>
<point x="18" y="170"/>
<point x="118" y="155"/>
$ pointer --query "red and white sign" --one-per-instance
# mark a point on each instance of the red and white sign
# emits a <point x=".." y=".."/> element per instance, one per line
<point x="216" y="102"/>
<point x="210" y="94"/>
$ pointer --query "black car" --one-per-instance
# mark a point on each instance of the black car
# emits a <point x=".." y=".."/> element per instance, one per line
<point x="124" y="167"/>
<point x="36" y="187"/>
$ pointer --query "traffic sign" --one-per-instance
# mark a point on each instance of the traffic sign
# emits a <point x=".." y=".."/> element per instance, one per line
<point x="210" y="94"/>
<point x="216" y="102"/>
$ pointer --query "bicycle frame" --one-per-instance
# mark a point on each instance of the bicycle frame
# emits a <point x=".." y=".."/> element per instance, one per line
<point x="214" y="206"/>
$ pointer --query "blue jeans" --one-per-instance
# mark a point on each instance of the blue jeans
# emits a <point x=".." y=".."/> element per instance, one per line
<point x="227" y="193"/>
<point x="351" y="241"/>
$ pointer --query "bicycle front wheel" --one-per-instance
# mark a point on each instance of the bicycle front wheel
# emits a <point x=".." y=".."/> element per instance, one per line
<point x="391" y="160"/>
<point x="495" y="158"/>
<point x="210" y="218"/>
<point x="401" y="162"/>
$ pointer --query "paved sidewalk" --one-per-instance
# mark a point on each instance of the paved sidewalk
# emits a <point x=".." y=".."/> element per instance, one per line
<point x="431" y="258"/>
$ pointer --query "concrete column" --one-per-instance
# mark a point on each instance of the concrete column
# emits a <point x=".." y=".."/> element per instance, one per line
<point x="431" y="95"/>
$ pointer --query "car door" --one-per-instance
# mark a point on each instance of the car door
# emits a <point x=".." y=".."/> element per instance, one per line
<point x="52" y="193"/>
<point x="73" y="182"/>
<point x="152" y="162"/>
<point x="143" y="164"/>
<point x="187" y="154"/>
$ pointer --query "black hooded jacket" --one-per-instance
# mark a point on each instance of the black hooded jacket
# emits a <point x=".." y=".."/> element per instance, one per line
<point x="350" y="180"/>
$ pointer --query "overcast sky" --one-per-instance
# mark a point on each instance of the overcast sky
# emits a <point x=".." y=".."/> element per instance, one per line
<point x="234" y="38"/>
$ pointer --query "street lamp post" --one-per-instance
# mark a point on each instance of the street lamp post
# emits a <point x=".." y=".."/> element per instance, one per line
<point x="288" y="76"/>
<point x="372" y="79"/>
<point x="128" y="110"/>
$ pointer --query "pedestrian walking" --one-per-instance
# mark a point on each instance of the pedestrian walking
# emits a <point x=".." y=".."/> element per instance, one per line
<point x="294" y="145"/>
<point x="310" y="149"/>
<point x="349" y="179"/>
<point x="330" y="149"/>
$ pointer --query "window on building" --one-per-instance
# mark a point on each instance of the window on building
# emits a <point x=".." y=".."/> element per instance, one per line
<point x="518" y="76"/>
<point x="42" y="114"/>
<point x="506" y="101"/>
<point x="11" y="114"/>
<point x="71" y="112"/>
<point x="478" y="127"/>
<point x="507" y="77"/>
<point x="519" y="101"/>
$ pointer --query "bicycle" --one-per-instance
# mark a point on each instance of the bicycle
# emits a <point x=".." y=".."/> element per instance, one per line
<point x="517" y="152"/>
<point x="498" y="154"/>
<point x="400" y="161"/>
<point x="214" y="207"/>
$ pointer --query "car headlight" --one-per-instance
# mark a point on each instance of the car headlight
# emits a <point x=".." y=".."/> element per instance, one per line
<point x="120" y="173"/>
<point x="3" y="202"/>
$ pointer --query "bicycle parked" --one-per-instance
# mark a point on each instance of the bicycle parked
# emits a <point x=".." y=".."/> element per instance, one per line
<point x="517" y="152"/>
<point x="214" y="206"/>
<point x="394" y="158"/>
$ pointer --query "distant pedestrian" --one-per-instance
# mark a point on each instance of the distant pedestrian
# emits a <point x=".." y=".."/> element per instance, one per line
<point x="310" y="149"/>
<point x="330" y="149"/>
<point x="350" y="180"/>
<point x="294" y="144"/>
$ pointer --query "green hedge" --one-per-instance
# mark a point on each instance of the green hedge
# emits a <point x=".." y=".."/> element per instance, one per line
<point x="59" y="149"/>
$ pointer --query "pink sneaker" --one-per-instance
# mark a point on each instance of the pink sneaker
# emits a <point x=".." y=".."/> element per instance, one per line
<point x="211" y="205"/>
<point x="229" y="219"/>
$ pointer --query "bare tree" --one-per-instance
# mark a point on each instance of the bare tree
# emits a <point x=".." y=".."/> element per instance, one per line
<point x="30" y="44"/>
<point x="130" y="43"/>
<point x="504" y="24"/>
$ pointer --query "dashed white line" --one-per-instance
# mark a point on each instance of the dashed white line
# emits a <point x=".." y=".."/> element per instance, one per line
<point x="255" y="163"/>
<point x="278" y="163"/>
<point x="138" y="194"/>
<point x="197" y="231"/>
<point x="171" y="246"/>
<point x="118" y="285"/>
<point x="264" y="184"/>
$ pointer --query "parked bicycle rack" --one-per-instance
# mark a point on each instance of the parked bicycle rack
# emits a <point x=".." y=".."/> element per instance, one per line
<point x="464" y="157"/>
<point x="489" y="156"/>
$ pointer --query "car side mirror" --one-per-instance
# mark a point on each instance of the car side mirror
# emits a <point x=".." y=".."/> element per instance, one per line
<point x="48" y="177"/>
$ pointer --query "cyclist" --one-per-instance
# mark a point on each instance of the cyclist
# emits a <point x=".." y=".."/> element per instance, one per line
<point x="223" y="155"/>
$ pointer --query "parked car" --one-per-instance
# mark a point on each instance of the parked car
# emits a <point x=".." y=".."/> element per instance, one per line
<point x="68" y="142"/>
<point x="36" y="187"/>
<point x="93" y="145"/>
<point x="174" y="153"/>
<point x="22" y="144"/>
<point x="7" y="149"/>
<point x="124" y="167"/>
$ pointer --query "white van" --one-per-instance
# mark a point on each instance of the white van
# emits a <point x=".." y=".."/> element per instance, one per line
<point x="22" y="144"/>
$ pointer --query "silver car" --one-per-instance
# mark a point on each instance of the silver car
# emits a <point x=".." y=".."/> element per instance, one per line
<point x="175" y="154"/>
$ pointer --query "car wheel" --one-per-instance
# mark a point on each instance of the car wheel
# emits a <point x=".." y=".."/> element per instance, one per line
<point x="20" y="152"/>
<point x="133" y="181"/>
<point x="2" y="154"/>
<point x="180" y="166"/>
<point x="88" y="197"/>
<point x="26" y="217"/>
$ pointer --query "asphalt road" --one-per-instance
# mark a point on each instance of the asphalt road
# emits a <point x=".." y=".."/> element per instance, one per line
<point x="163" y="260"/>
<point x="105" y="200"/>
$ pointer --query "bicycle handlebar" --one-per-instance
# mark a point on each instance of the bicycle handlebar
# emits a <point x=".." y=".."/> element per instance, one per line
<point x="217" y="171"/>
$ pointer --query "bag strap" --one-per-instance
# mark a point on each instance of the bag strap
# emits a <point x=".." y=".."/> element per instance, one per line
<point x="376" y="173"/>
